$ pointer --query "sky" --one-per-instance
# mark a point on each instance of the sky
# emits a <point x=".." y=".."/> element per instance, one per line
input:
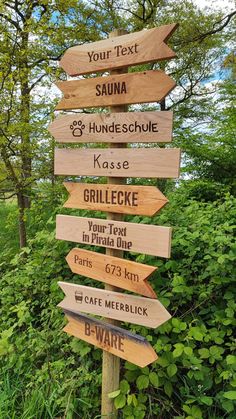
<point x="227" y="5"/>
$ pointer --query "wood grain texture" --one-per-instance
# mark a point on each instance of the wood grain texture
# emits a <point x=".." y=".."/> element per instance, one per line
<point x="143" y="238"/>
<point x="131" y="49"/>
<point x="120" y="342"/>
<point x="127" y="308"/>
<point x="112" y="270"/>
<point x="122" y="127"/>
<point x="145" y="163"/>
<point x="142" y="200"/>
<point x="110" y="362"/>
<point x="121" y="89"/>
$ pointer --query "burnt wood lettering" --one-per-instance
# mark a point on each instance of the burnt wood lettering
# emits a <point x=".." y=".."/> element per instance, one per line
<point x="112" y="270"/>
<point x="118" y="341"/>
<point x="121" y="89"/>
<point x="132" y="49"/>
<point x="128" y="308"/>
<point x="146" y="163"/>
<point x="117" y="127"/>
<point x="143" y="238"/>
<point x="143" y="200"/>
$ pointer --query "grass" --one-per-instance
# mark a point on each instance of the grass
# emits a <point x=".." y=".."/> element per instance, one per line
<point x="18" y="402"/>
<point x="9" y="241"/>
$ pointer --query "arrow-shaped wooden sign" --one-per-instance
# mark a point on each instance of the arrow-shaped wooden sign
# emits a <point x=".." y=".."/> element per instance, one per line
<point x="113" y="339"/>
<point x="122" y="127"/>
<point x="143" y="238"/>
<point x="135" y="48"/>
<point x="142" y="200"/>
<point x="122" y="89"/>
<point x="132" y="162"/>
<point x="127" y="308"/>
<point x="112" y="270"/>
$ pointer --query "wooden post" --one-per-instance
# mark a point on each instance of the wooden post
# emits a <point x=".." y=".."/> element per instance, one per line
<point x="111" y="363"/>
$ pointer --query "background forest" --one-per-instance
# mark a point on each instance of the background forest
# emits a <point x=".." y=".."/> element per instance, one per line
<point x="44" y="372"/>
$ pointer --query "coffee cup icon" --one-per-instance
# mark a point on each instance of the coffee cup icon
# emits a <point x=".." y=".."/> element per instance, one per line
<point x="78" y="297"/>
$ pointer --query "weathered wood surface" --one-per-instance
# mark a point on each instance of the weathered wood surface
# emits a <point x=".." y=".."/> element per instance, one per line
<point x="120" y="342"/>
<point x="122" y="89"/>
<point x="121" y="273"/>
<point x="139" y="162"/>
<point x="121" y="127"/>
<point x="143" y="238"/>
<point x="126" y="308"/>
<point x="131" y="49"/>
<point x="142" y="200"/>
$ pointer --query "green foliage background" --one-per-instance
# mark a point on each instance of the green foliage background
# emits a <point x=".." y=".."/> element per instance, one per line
<point x="48" y="372"/>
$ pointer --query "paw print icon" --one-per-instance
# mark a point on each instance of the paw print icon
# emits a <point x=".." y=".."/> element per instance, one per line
<point x="77" y="128"/>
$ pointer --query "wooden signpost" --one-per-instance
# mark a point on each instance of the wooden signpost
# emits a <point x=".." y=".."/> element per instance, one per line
<point x="121" y="127"/>
<point x="139" y="162"/>
<point x="135" y="48"/>
<point x="112" y="270"/>
<point x="143" y="238"/>
<point x="142" y="200"/>
<point x="117" y="128"/>
<point x="115" y="90"/>
<point x="127" y="308"/>
<point x="117" y="341"/>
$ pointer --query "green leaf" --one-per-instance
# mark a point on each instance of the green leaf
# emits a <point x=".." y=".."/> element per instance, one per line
<point x="228" y="405"/>
<point x="113" y="394"/>
<point x="231" y="395"/>
<point x="129" y="399"/>
<point x="124" y="387"/>
<point x="196" y="412"/>
<point x="196" y="333"/>
<point x="179" y="347"/>
<point x="154" y="379"/>
<point x="142" y="382"/>
<point x="231" y="360"/>
<point x="120" y="401"/>
<point x="134" y="400"/>
<point x="204" y="353"/>
<point x="188" y="350"/>
<point x="168" y="388"/>
<point x="206" y="400"/>
<point x="171" y="370"/>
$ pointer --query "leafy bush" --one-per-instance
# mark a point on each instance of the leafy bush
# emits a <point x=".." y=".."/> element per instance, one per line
<point x="194" y="376"/>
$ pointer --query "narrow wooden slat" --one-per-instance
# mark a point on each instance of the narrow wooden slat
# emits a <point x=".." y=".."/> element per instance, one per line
<point x="135" y="48"/>
<point x="127" y="308"/>
<point x="121" y="89"/>
<point x="146" y="163"/>
<point x="142" y="200"/>
<point x="113" y="339"/>
<point x="143" y="238"/>
<point x="121" y="127"/>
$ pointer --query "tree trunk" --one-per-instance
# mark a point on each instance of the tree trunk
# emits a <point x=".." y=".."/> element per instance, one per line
<point x="21" y="218"/>
<point x="26" y="160"/>
<point x="161" y="183"/>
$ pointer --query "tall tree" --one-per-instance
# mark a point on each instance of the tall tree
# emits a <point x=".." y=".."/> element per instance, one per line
<point x="34" y="36"/>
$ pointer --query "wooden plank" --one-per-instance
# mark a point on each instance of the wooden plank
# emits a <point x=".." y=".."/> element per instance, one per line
<point x="142" y="200"/>
<point x="127" y="308"/>
<point x="121" y="273"/>
<point x="110" y="362"/>
<point x="143" y="238"/>
<point x="122" y="89"/>
<point x="120" y="342"/>
<point x="121" y="127"/>
<point x="131" y="49"/>
<point x="138" y="162"/>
